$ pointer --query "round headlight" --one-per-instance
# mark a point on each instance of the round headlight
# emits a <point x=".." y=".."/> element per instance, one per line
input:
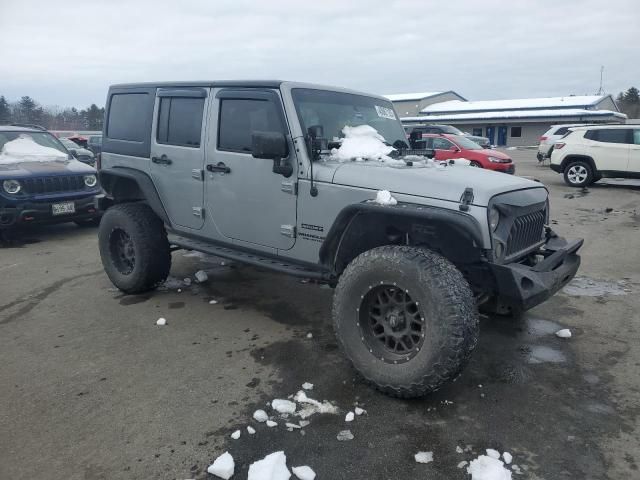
<point x="494" y="218"/>
<point x="90" y="180"/>
<point x="11" y="186"/>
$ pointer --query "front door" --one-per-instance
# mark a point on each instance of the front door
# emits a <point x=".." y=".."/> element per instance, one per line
<point x="177" y="154"/>
<point x="611" y="148"/>
<point x="502" y="136"/>
<point x="444" y="149"/>
<point x="245" y="199"/>
<point x="491" y="133"/>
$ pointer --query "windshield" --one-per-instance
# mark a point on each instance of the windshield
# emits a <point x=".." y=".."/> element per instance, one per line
<point x="465" y="143"/>
<point x="68" y="143"/>
<point x="334" y="111"/>
<point x="43" y="139"/>
<point x="450" y="129"/>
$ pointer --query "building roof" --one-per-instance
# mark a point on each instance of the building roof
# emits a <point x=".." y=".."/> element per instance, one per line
<point x="406" y="97"/>
<point x="457" y="106"/>
<point x="515" y="114"/>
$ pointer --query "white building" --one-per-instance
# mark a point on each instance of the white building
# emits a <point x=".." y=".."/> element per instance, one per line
<point x="516" y="122"/>
<point x="410" y="104"/>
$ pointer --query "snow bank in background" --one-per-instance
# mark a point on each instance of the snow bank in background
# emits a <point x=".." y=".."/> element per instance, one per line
<point x="271" y="467"/>
<point x="488" y="468"/>
<point x="25" y="149"/>
<point x="223" y="466"/>
<point x="564" y="333"/>
<point x="362" y="143"/>
<point x="384" y="197"/>
<point x="304" y="473"/>
<point x="424" y="457"/>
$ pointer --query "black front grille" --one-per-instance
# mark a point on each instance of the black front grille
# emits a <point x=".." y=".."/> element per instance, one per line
<point x="527" y="231"/>
<point x="67" y="183"/>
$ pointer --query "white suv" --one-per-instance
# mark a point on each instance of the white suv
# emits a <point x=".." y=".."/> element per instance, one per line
<point x="588" y="153"/>
<point x="550" y="137"/>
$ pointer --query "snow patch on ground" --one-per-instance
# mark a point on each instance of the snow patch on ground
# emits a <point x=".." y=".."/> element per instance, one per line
<point x="312" y="406"/>
<point x="424" y="457"/>
<point x="223" y="466"/>
<point x="283" y="406"/>
<point x="271" y="423"/>
<point x="564" y="333"/>
<point x="589" y="287"/>
<point x="201" y="276"/>
<point x="271" y="467"/>
<point x="507" y="457"/>
<point x="161" y="321"/>
<point x="361" y="143"/>
<point x="384" y="197"/>
<point x="359" y="411"/>
<point x="307" y="386"/>
<point x="345" y="435"/>
<point x="349" y="417"/>
<point x="251" y="430"/>
<point x="493" y="453"/>
<point x="260" y="416"/>
<point x="304" y="472"/>
<point x="488" y="468"/>
<point x="236" y="435"/>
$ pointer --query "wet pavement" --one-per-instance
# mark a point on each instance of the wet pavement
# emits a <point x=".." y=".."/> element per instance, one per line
<point x="91" y="388"/>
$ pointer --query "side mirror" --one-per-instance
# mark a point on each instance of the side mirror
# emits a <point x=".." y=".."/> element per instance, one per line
<point x="272" y="146"/>
<point x="454" y="149"/>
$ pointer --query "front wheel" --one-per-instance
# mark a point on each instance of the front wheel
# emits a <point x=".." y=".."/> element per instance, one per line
<point x="475" y="164"/>
<point x="406" y="318"/>
<point x="578" y="174"/>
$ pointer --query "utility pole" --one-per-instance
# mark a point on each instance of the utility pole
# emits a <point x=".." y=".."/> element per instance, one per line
<point x="601" y="89"/>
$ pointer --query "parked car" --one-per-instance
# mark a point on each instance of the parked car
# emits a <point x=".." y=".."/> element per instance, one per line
<point x="82" y="154"/>
<point x="448" y="129"/>
<point x="587" y="154"/>
<point x="550" y="137"/>
<point x="245" y="171"/>
<point x="94" y="143"/>
<point x="40" y="182"/>
<point x="449" y="147"/>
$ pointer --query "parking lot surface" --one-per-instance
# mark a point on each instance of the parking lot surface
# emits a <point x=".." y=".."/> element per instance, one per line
<point x="91" y="388"/>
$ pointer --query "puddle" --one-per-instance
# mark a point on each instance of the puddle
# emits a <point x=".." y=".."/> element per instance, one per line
<point x="544" y="354"/>
<point x="539" y="327"/>
<point x="589" y="287"/>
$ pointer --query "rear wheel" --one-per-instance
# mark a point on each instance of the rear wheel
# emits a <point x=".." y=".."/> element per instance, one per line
<point x="475" y="164"/>
<point x="406" y="318"/>
<point x="578" y="174"/>
<point x="134" y="247"/>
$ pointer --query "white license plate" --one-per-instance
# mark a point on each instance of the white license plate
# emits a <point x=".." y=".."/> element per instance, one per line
<point x="63" y="208"/>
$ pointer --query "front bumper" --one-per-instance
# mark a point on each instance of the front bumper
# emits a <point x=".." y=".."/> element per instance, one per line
<point x="27" y="213"/>
<point x="522" y="287"/>
<point x="503" y="168"/>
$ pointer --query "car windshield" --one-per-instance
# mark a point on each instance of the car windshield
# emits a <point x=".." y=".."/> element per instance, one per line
<point x="334" y="111"/>
<point x="68" y="143"/>
<point x="465" y="143"/>
<point x="43" y="139"/>
<point x="449" y="129"/>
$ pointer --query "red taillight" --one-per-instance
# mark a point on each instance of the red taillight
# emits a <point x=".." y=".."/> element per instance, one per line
<point x="559" y="145"/>
<point x="543" y="138"/>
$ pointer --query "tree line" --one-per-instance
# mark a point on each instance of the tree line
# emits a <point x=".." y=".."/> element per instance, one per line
<point x="629" y="102"/>
<point x="28" y="110"/>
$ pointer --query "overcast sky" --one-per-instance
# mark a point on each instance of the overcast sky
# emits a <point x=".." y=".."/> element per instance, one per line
<point x="67" y="53"/>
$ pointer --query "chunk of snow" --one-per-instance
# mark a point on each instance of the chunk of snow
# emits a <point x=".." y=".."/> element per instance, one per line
<point x="516" y="469"/>
<point x="345" y="435"/>
<point x="201" y="276"/>
<point x="251" y="430"/>
<point x="304" y="423"/>
<point x="359" y="411"/>
<point x="161" y="321"/>
<point x="349" y="417"/>
<point x="361" y="143"/>
<point x="493" y="453"/>
<point x="384" y="197"/>
<point x="462" y="464"/>
<point x="462" y="162"/>
<point x="459" y="449"/>
<point x="223" y="466"/>
<point x="488" y="468"/>
<point x="424" y="457"/>
<point x="313" y="406"/>
<point x="26" y="149"/>
<point x="212" y="302"/>
<point x="507" y="457"/>
<point x="271" y="424"/>
<point x="292" y="425"/>
<point x="187" y="281"/>
<point x="309" y="335"/>
<point x="307" y="386"/>
<point x="283" y="406"/>
<point x="260" y="416"/>
<point x="236" y="435"/>
<point x="304" y="472"/>
<point x="564" y="333"/>
<point x="271" y="467"/>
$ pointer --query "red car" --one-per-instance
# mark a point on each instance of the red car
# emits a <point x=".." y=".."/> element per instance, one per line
<point x="449" y="146"/>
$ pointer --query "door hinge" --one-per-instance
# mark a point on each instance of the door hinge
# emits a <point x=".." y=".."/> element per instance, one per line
<point x="198" y="174"/>
<point x="288" y="230"/>
<point x="289" y="187"/>
<point x="198" y="212"/>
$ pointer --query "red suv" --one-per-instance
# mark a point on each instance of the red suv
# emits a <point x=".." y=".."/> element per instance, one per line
<point x="447" y="146"/>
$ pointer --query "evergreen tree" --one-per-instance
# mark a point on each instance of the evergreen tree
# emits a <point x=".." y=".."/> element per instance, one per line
<point x="5" y="111"/>
<point x="26" y="110"/>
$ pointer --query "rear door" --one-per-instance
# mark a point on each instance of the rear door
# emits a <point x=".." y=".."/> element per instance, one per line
<point x="177" y="153"/>
<point x="634" y="153"/>
<point x="610" y="148"/>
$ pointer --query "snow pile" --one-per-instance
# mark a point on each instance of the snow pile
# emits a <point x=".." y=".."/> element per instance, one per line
<point x="283" y="406"/>
<point x="362" y="143"/>
<point x="25" y="149"/>
<point x="223" y="466"/>
<point x="384" y="197"/>
<point x="564" y="333"/>
<point x="424" y="457"/>
<point x="161" y="321"/>
<point x="313" y="406"/>
<point x="271" y="467"/>
<point x="488" y="468"/>
<point x="201" y="276"/>
<point x="304" y="473"/>
<point x="260" y="416"/>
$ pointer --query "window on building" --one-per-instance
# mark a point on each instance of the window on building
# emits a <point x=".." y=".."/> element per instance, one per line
<point x="477" y="132"/>
<point x="610" y="135"/>
<point x="127" y="117"/>
<point x="180" y="121"/>
<point x="239" y="118"/>
<point x="516" y="132"/>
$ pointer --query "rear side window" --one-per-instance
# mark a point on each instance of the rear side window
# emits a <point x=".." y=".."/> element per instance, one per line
<point x="441" y="144"/>
<point x="239" y="118"/>
<point x="127" y="117"/>
<point x="180" y="121"/>
<point x="636" y="136"/>
<point x="561" y="131"/>
<point x="612" y="135"/>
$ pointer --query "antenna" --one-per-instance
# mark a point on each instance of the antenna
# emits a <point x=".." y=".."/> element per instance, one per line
<point x="601" y="89"/>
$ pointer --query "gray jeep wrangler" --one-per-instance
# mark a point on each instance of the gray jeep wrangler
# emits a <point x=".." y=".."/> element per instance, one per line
<point x="256" y="172"/>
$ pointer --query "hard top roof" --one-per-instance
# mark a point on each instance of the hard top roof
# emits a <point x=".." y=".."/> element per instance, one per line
<point x="17" y="128"/>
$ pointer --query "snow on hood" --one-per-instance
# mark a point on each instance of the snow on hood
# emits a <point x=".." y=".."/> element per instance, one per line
<point x="25" y="149"/>
<point x="362" y="143"/>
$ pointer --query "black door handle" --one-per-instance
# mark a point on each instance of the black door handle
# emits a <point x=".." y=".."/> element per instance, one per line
<point x="164" y="160"/>
<point x="220" y="167"/>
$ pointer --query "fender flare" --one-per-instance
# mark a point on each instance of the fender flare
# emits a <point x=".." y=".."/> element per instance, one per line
<point x="108" y="177"/>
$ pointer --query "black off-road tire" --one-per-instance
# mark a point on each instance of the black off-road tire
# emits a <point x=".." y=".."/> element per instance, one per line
<point x="148" y="256"/>
<point x="578" y="174"/>
<point x="445" y="302"/>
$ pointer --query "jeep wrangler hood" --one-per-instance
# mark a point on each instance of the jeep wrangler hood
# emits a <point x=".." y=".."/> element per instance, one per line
<point x="445" y="183"/>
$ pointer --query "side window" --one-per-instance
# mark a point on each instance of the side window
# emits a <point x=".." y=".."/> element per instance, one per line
<point x="477" y="132"/>
<point x="239" y="118"/>
<point x="612" y="135"/>
<point x="516" y="132"/>
<point x="180" y="121"/>
<point x="561" y="131"/>
<point x="636" y="136"/>
<point x="127" y="117"/>
<point x="441" y="144"/>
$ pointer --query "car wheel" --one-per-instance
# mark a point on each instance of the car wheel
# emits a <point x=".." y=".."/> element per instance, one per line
<point x="475" y="164"/>
<point x="134" y="248"/>
<point x="578" y="174"/>
<point x="406" y="319"/>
